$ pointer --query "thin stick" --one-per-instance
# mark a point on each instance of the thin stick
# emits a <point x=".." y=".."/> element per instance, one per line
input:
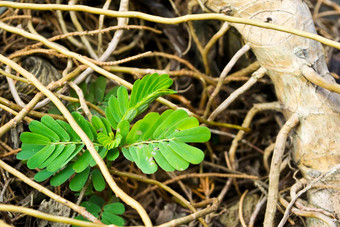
<point x="240" y="208"/>
<point x="79" y="58"/>
<point x="112" y="45"/>
<point x="101" y="164"/>
<point x="274" y="174"/>
<point x="297" y="186"/>
<point x="9" y="110"/>
<point x="224" y="28"/>
<point x="246" y="123"/>
<point x="100" y="26"/>
<point x="18" y="118"/>
<point x="81" y="99"/>
<point x="308" y="186"/>
<point x="256" y="211"/>
<point x="223" y="75"/>
<point x="45" y="216"/>
<point x="329" y="221"/>
<point x="193" y="216"/>
<point x="18" y="78"/>
<point x="13" y="89"/>
<point x="242" y="140"/>
<point x="160" y="185"/>
<point x="64" y="29"/>
<point x="72" y="99"/>
<point x="191" y="175"/>
<point x="81" y="210"/>
<point x="80" y="29"/>
<point x="267" y="153"/>
<point x="224" y="105"/>
<point x="174" y="20"/>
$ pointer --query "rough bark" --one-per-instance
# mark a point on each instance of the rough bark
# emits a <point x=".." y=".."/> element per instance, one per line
<point x="317" y="138"/>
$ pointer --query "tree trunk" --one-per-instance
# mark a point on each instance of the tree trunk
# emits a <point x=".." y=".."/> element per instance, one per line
<point x="317" y="138"/>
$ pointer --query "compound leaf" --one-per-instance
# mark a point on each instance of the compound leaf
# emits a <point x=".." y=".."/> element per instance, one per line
<point x="144" y="91"/>
<point x="162" y="139"/>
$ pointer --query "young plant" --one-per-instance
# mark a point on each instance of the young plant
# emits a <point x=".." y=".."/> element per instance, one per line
<point x="155" y="140"/>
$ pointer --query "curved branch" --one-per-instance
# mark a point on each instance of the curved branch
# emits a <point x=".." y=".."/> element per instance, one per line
<point x="174" y="20"/>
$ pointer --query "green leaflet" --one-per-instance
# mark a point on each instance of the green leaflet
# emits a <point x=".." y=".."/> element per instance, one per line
<point x="91" y="207"/>
<point x="97" y="200"/>
<point x="34" y="138"/>
<point x="38" y="158"/>
<point x="160" y="159"/>
<point x="112" y="154"/>
<point x="56" y="153"/>
<point x="82" y="162"/>
<point x="62" y="176"/>
<point x="163" y="127"/>
<point x="43" y="175"/>
<point x="143" y="159"/>
<point x="99" y="88"/>
<point x="98" y="180"/>
<point x="83" y="124"/>
<point x="28" y="150"/>
<point x="55" y="127"/>
<point x="115" y="208"/>
<point x="99" y="125"/>
<point x="57" y="163"/>
<point x="73" y="135"/>
<point x="39" y="128"/>
<point x="79" y="180"/>
<point x="123" y="100"/>
<point x="192" y="135"/>
<point x="187" y="152"/>
<point x="110" y="218"/>
<point x="176" y="161"/>
<point x="140" y="128"/>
